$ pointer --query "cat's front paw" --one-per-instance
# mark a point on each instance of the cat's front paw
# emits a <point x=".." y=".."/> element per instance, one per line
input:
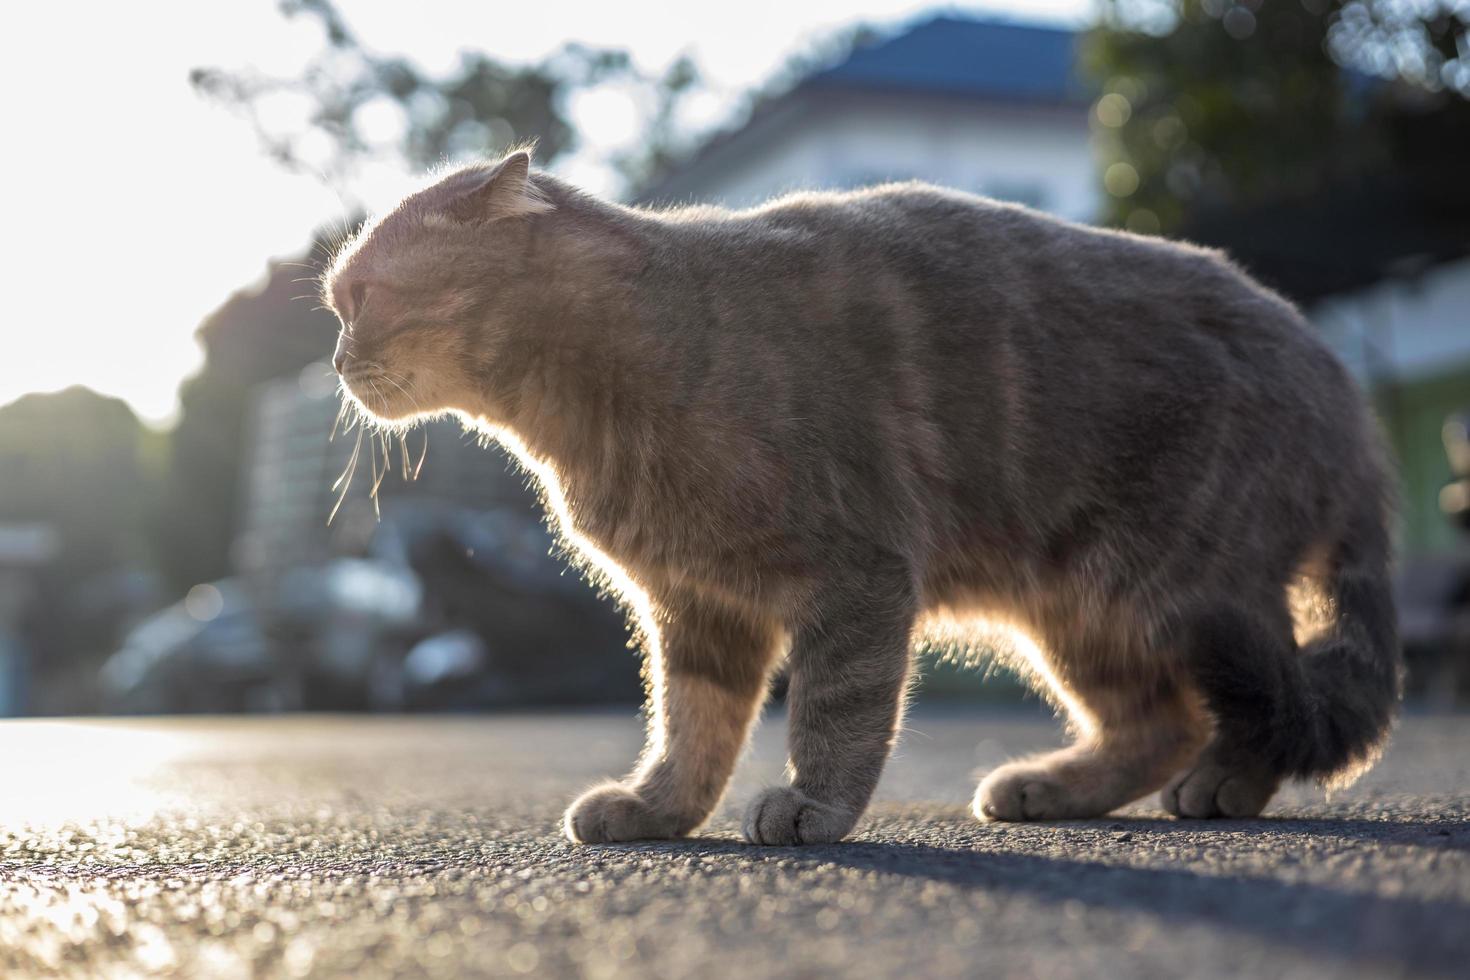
<point x="613" y="812"/>
<point x="786" y="816"/>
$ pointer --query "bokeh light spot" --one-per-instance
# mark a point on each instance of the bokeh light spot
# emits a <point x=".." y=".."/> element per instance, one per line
<point x="1113" y="110"/>
<point x="1239" y="23"/>
<point x="204" y="602"/>
<point x="1121" y="180"/>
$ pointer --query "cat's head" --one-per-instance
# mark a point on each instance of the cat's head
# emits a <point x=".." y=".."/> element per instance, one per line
<point x="421" y="292"/>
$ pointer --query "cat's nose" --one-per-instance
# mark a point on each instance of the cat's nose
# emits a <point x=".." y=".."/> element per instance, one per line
<point x="339" y="357"/>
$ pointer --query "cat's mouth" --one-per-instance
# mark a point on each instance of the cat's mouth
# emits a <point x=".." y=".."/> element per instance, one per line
<point x="384" y="394"/>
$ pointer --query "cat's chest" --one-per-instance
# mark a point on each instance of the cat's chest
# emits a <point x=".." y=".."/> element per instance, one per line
<point x="698" y="525"/>
<point x="690" y="554"/>
<point x="628" y="535"/>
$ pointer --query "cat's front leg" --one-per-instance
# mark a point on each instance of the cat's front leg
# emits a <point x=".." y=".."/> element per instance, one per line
<point x="708" y="681"/>
<point x="849" y="665"/>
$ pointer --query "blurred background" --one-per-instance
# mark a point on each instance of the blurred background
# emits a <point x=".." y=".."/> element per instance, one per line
<point x="176" y="177"/>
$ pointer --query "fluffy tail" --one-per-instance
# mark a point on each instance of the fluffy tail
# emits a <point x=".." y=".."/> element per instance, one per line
<point x="1320" y="710"/>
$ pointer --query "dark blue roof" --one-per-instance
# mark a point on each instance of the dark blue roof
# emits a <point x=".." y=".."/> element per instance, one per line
<point x="950" y="56"/>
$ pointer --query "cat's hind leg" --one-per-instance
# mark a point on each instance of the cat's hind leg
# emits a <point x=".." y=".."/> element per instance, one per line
<point x="709" y="681"/>
<point x="1135" y="722"/>
<point x="1241" y="658"/>
<point x="1321" y="711"/>
<point x="1302" y="681"/>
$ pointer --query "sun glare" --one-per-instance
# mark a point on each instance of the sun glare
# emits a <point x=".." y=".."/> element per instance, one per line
<point x="69" y="772"/>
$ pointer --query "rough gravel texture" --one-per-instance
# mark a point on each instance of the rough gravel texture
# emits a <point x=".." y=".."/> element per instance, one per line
<point x="325" y="846"/>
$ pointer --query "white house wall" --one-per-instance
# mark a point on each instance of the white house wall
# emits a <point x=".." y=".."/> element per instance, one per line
<point x="1404" y="329"/>
<point x="1039" y="156"/>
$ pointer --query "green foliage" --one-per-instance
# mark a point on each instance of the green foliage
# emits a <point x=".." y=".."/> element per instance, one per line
<point x="80" y="462"/>
<point x="83" y="465"/>
<point x="1211" y="104"/>
<point x="480" y="108"/>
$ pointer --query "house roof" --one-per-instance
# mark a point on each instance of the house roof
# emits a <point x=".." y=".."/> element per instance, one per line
<point x="950" y="57"/>
<point x="954" y="56"/>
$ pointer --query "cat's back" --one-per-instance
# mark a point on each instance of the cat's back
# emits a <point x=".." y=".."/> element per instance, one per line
<point x="961" y="287"/>
<point x="965" y="263"/>
<point x="997" y="303"/>
<point x="936" y="232"/>
<point x="951" y="245"/>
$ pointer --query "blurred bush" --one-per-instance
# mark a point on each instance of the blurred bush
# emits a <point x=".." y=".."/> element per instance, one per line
<point x="1318" y="141"/>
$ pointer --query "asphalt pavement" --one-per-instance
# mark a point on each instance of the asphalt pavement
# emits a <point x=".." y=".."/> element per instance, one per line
<point x="322" y="846"/>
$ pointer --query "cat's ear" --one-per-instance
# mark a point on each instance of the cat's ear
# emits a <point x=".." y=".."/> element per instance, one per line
<point x="502" y="191"/>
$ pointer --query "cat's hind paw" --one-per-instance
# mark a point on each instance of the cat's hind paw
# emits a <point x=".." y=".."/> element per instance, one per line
<point x="1022" y="793"/>
<point x="784" y="816"/>
<point x="611" y="813"/>
<point x="1213" y="790"/>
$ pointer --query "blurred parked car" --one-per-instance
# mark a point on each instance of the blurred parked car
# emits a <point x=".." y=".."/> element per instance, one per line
<point x="206" y="653"/>
<point x="451" y="609"/>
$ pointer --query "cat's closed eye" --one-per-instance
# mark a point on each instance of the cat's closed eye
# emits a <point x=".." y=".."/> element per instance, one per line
<point x="357" y="295"/>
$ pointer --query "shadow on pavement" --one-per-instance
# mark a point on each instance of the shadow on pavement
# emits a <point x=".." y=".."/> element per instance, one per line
<point x="1437" y="833"/>
<point x="1414" y="934"/>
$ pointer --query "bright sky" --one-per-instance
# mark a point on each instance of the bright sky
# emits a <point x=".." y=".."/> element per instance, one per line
<point x="134" y="207"/>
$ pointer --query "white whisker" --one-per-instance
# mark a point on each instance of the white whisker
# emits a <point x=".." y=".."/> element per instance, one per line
<point x="422" y="453"/>
<point x="347" y="476"/>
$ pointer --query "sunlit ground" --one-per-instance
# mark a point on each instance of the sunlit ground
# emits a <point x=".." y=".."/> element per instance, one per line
<point x="59" y="771"/>
<point x="323" y="846"/>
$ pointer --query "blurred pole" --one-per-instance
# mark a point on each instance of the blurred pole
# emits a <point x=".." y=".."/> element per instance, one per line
<point x="15" y="596"/>
<point x="14" y="672"/>
<point x="25" y="549"/>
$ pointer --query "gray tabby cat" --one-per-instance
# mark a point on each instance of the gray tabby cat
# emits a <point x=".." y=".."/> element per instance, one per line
<point x="810" y="432"/>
